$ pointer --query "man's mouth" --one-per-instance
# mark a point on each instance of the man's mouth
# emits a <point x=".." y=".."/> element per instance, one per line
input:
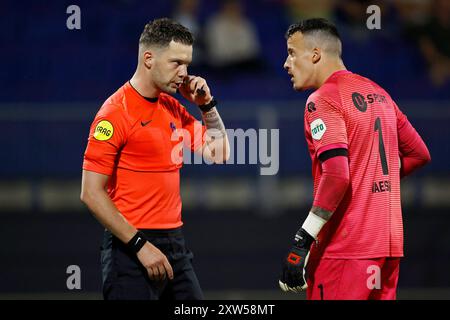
<point x="177" y="85"/>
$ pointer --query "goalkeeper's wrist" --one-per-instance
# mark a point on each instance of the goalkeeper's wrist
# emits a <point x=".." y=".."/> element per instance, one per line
<point x="313" y="224"/>
<point x="303" y="239"/>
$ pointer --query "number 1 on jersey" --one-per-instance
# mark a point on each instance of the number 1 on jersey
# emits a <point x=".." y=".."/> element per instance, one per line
<point x="381" y="149"/>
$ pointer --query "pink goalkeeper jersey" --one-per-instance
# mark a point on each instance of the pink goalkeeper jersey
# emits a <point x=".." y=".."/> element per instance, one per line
<point x="352" y="112"/>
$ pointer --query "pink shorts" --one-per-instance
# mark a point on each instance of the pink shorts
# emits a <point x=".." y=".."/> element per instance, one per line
<point x="341" y="279"/>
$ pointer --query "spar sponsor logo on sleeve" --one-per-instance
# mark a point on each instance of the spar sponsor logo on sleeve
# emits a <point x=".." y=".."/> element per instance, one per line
<point x="104" y="130"/>
<point x="318" y="128"/>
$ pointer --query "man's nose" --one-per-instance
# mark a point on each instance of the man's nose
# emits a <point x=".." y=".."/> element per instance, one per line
<point x="183" y="71"/>
<point x="286" y="65"/>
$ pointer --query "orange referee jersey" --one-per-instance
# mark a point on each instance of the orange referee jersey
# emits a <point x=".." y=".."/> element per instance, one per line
<point x="132" y="140"/>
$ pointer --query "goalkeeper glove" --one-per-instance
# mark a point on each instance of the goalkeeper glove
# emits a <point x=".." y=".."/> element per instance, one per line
<point x="293" y="273"/>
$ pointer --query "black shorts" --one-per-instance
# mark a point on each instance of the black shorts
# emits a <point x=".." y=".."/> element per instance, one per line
<point x="124" y="277"/>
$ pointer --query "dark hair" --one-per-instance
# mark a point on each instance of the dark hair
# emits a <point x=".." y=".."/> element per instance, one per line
<point x="310" y="25"/>
<point x="161" y="32"/>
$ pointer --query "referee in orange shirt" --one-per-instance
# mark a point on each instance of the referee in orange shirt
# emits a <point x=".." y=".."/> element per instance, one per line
<point x="130" y="175"/>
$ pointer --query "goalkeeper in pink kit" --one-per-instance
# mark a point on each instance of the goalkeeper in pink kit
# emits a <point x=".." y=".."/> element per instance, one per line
<point x="361" y="144"/>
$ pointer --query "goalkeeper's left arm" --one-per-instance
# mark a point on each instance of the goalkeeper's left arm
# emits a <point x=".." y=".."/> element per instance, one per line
<point x="332" y="186"/>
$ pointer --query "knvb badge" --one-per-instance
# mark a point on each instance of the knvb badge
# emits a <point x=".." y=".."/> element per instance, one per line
<point x="173" y="127"/>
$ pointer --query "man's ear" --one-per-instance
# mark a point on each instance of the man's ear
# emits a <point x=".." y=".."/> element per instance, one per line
<point x="148" y="57"/>
<point x="317" y="54"/>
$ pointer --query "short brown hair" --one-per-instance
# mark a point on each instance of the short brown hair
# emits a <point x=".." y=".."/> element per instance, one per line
<point x="161" y="32"/>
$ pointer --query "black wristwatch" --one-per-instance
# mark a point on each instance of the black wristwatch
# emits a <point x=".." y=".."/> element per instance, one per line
<point x="137" y="242"/>
<point x="206" y="107"/>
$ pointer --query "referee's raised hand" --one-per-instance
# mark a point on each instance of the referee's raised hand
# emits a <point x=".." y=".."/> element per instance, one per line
<point x="156" y="263"/>
<point x="196" y="90"/>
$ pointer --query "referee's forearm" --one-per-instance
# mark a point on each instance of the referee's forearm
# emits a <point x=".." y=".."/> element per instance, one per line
<point x="217" y="150"/>
<point x="104" y="210"/>
<point x="218" y="146"/>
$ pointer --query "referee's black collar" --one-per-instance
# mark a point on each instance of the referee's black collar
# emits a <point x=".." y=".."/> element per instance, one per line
<point x="152" y="100"/>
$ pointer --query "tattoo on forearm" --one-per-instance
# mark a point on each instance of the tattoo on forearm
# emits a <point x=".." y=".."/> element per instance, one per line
<point x="324" y="214"/>
<point x="212" y="120"/>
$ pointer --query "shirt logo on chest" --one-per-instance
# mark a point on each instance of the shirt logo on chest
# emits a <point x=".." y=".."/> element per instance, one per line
<point x="311" y="107"/>
<point x="144" y="123"/>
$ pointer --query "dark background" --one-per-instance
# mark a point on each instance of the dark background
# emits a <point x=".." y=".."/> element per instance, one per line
<point x="239" y="224"/>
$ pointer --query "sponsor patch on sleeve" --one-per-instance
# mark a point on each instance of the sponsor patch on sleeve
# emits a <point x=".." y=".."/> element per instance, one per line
<point x="104" y="130"/>
<point x="318" y="128"/>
